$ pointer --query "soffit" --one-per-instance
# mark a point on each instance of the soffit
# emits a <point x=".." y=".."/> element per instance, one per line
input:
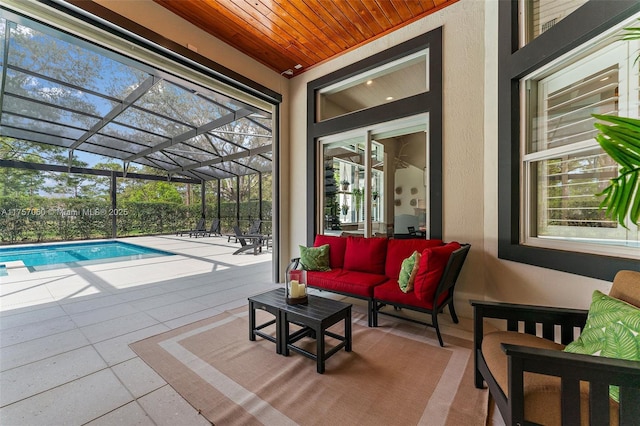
<point x="285" y="33"/>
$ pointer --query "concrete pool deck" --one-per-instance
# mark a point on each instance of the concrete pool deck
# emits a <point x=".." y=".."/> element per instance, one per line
<point x="64" y="333"/>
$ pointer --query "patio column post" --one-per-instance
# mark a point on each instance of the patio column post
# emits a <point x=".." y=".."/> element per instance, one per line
<point x="203" y="190"/>
<point x="219" y="207"/>
<point x="260" y="195"/>
<point x="114" y="205"/>
<point x="238" y="201"/>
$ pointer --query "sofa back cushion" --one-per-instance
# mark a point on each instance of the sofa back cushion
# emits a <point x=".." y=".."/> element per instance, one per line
<point x="399" y="250"/>
<point x="433" y="261"/>
<point x="337" y="247"/>
<point x="366" y="255"/>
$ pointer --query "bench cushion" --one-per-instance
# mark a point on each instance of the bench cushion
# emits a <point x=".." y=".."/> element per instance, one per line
<point x="366" y="255"/>
<point x="337" y="247"/>
<point x="359" y="284"/>
<point x="399" y="250"/>
<point x="390" y="292"/>
<point x="433" y="261"/>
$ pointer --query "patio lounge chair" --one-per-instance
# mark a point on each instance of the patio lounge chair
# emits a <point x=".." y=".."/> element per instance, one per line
<point x="214" y="230"/>
<point x="247" y="242"/>
<point x="199" y="227"/>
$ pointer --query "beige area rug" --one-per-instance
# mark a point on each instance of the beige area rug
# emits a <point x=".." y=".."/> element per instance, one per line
<point x="395" y="375"/>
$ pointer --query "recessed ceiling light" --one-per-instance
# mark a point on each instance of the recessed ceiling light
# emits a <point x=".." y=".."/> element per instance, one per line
<point x="389" y="98"/>
<point x="369" y="82"/>
<point x="604" y="79"/>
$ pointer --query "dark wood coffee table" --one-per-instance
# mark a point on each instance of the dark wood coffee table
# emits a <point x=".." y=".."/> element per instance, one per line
<point x="314" y="318"/>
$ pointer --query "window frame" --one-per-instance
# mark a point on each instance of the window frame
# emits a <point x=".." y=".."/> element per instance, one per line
<point x="429" y="102"/>
<point x="586" y="22"/>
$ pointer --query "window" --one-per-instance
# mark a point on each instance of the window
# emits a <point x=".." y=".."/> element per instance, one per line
<point x="396" y="80"/>
<point x="388" y="150"/>
<point x="549" y="163"/>
<point x="563" y="166"/>
<point x="539" y="16"/>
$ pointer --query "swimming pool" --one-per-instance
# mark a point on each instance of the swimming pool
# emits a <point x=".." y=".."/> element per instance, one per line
<point x="52" y="256"/>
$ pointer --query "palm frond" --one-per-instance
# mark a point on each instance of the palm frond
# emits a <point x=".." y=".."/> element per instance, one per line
<point x="621" y="141"/>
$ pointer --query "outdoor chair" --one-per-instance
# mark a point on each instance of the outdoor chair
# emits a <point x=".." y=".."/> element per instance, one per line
<point x="534" y="381"/>
<point x="254" y="228"/>
<point x="214" y="230"/>
<point x="254" y="242"/>
<point x="199" y="227"/>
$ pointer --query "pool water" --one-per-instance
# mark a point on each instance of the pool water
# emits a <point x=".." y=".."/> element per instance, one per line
<point x="52" y="256"/>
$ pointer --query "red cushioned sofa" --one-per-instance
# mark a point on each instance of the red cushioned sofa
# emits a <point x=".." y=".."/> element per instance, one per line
<point x="368" y="269"/>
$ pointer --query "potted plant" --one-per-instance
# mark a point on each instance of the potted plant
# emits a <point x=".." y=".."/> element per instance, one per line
<point x="345" y="209"/>
<point x="358" y="194"/>
<point x="621" y="141"/>
<point x="345" y="185"/>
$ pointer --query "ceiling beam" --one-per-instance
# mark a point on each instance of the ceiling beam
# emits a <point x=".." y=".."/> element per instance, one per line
<point x="140" y="91"/>
<point x="230" y="157"/>
<point x="227" y="119"/>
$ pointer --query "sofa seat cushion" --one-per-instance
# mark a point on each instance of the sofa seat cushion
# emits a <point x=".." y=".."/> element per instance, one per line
<point x="542" y="393"/>
<point x="351" y="282"/>
<point x="366" y="255"/>
<point x="399" y="250"/>
<point x="390" y="292"/>
<point x="337" y="247"/>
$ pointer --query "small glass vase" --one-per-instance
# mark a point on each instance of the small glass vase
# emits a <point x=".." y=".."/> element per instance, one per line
<point x="296" y="287"/>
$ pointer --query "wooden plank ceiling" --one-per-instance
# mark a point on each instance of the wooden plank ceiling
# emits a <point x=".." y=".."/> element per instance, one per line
<point x="298" y="34"/>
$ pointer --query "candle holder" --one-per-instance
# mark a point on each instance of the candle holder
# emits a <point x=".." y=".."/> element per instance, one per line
<point x="296" y="287"/>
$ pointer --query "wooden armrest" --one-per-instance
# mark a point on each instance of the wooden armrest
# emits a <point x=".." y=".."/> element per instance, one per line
<point x="600" y="372"/>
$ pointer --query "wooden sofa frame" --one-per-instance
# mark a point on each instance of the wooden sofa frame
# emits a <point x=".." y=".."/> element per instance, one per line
<point x="572" y="368"/>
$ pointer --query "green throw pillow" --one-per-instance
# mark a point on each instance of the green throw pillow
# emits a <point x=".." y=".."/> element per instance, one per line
<point x="315" y="258"/>
<point x="612" y="330"/>
<point x="408" y="272"/>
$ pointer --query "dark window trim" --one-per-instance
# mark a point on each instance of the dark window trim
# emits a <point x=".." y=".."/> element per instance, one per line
<point x="579" y="27"/>
<point x="430" y="102"/>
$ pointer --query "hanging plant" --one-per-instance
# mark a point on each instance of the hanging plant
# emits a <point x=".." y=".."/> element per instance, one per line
<point x="345" y="209"/>
<point x="358" y="194"/>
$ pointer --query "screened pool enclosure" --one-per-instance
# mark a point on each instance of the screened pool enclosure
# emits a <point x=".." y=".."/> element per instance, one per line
<point x="64" y="99"/>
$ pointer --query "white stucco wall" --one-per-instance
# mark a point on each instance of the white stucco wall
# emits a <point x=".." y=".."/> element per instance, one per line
<point x="469" y="153"/>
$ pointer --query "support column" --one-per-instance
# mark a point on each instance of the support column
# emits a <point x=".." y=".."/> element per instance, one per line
<point x="219" y="208"/>
<point x="238" y="200"/>
<point x="114" y="205"/>
<point x="260" y="195"/>
<point x="203" y="191"/>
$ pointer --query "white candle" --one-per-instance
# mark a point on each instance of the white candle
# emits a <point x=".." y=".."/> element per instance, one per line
<point x="302" y="291"/>
<point x="294" y="288"/>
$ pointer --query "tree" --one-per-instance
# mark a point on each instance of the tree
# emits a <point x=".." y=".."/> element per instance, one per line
<point x="70" y="184"/>
<point x="155" y="191"/>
